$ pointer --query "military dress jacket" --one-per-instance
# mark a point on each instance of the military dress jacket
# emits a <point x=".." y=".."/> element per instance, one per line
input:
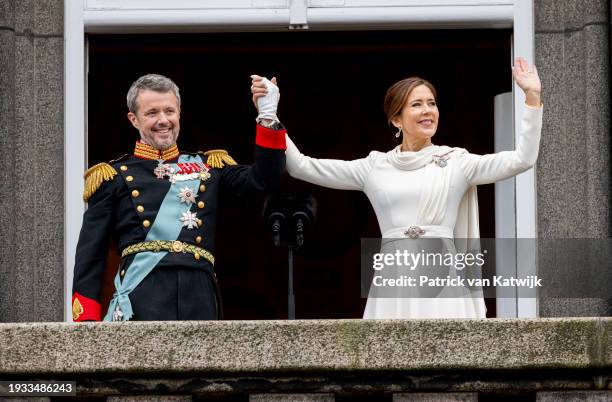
<point x="124" y="200"/>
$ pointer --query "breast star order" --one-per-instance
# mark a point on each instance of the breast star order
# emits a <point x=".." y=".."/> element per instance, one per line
<point x="187" y="195"/>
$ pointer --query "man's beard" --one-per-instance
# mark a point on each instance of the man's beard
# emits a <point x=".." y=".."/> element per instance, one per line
<point x="161" y="147"/>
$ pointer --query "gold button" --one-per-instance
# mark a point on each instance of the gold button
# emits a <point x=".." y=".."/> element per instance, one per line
<point x="135" y="193"/>
<point x="122" y="272"/>
<point x="129" y="178"/>
<point x="146" y="223"/>
<point x="201" y="204"/>
<point x="140" y="208"/>
<point x="202" y="188"/>
<point x="199" y="239"/>
<point x="200" y="222"/>
<point x="123" y="168"/>
<point x="196" y="256"/>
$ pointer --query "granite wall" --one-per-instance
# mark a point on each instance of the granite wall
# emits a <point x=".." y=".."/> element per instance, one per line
<point x="32" y="159"/>
<point x="572" y="52"/>
<point x="553" y="359"/>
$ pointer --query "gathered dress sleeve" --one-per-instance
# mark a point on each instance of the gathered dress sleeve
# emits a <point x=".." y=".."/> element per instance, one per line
<point x="332" y="173"/>
<point x="485" y="169"/>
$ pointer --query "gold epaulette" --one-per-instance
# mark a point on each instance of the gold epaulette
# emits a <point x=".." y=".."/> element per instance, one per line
<point x="94" y="176"/>
<point x="217" y="158"/>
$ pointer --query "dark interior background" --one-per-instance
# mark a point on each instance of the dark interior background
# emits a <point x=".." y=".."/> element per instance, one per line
<point x="332" y="86"/>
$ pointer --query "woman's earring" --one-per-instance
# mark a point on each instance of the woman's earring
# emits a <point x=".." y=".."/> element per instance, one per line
<point x="399" y="132"/>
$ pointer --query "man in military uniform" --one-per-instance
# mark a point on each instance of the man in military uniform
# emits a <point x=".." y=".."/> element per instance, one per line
<point x="160" y="206"/>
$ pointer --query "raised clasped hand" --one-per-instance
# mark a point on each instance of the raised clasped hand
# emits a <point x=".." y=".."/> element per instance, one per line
<point x="265" y="96"/>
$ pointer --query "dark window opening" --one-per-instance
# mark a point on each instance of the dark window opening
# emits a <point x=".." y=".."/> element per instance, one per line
<point x="332" y="87"/>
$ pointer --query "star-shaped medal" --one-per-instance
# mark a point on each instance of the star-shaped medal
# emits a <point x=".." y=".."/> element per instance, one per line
<point x="187" y="195"/>
<point x="189" y="220"/>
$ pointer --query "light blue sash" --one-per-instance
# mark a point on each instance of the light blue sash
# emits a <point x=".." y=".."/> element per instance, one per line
<point x="167" y="226"/>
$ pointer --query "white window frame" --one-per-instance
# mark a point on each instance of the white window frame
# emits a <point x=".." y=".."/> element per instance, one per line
<point x="160" y="16"/>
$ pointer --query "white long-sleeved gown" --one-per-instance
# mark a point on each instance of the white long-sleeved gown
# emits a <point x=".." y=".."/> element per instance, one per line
<point x="408" y="188"/>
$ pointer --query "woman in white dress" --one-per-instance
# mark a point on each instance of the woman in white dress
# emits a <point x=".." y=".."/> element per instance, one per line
<point x="422" y="190"/>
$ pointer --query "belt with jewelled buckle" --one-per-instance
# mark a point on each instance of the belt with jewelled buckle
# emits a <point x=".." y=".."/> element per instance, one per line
<point x="175" y="246"/>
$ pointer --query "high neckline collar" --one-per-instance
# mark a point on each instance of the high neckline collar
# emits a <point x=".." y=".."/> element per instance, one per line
<point x="425" y="149"/>
<point x="410" y="160"/>
<point x="146" y="151"/>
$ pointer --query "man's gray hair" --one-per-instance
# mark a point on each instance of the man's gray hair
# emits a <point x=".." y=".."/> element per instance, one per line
<point x="152" y="82"/>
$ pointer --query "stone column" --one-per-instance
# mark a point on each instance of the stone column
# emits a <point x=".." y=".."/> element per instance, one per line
<point x="573" y="171"/>
<point x="32" y="149"/>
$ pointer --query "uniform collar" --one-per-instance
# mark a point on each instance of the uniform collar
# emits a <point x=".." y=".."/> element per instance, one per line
<point x="146" y="151"/>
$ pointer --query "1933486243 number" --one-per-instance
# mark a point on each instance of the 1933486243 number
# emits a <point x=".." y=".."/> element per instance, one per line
<point x="37" y="388"/>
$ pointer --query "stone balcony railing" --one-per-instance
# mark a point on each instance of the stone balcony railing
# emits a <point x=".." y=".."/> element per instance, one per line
<point x="319" y="360"/>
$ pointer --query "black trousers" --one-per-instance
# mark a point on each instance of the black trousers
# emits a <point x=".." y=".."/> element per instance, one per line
<point x="176" y="293"/>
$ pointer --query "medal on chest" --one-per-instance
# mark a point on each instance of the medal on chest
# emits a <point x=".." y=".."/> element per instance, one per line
<point x="184" y="172"/>
<point x="176" y="172"/>
<point x="441" y="160"/>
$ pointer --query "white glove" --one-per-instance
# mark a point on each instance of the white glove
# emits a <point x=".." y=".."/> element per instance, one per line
<point x="268" y="104"/>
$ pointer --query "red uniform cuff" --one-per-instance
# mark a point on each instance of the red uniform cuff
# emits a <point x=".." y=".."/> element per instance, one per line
<point x="268" y="138"/>
<point x="84" y="308"/>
